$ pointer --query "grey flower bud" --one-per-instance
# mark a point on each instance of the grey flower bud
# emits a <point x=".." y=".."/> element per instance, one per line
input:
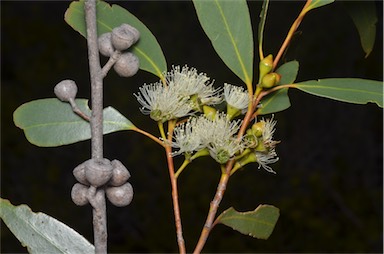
<point x="120" y="174"/>
<point x="127" y="65"/>
<point x="79" y="194"/>
<point x="79" y="173"/>
<point x="66" y="90"/>
<point x="98" y="171"/>
<point x="105" y="44"/>
<point x="124" y="37"/>
<point x="121" y="195"/>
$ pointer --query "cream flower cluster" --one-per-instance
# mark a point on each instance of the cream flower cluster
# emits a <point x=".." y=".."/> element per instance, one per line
<point x="186" y="93"/>
<point x="217" y="135"/>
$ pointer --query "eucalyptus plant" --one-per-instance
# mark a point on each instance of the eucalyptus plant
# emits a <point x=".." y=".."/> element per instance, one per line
<point x="195" y="117"/>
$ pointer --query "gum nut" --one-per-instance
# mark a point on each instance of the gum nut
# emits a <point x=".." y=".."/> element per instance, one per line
<point x="79" y="173"/>
<point x="124" y="37"/>
<point x="98" y="171"/>
<point x="66" y="90"/>
<point x="105" y="44"/>
<point x="120" y="196"/>
<point x="127" y="65"/>
<point x="120" y="174"/>
<point x="134" y="31"/>
<point x="79" y="194"/>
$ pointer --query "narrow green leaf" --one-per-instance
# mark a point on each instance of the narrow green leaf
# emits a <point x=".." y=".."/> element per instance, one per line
<point x="147" y="49"/>
<point x="260" y="32"/>
<point x="279" y="100"/>
<point x="228" y="26"/>
<point x="258" y="223"/>
<point x="353" y="90"/>
<point x="318" y="3"/>
<point x="50" y="122"/>
<point x="41" y="233"/>
<point x="363" y="14"/>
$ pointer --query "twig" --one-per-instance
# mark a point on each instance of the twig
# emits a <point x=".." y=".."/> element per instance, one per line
<point x="175" y="198"/>
<point x="292" y="30"/>
<point x="99" y="207"/>
<point x="221" y="187"/>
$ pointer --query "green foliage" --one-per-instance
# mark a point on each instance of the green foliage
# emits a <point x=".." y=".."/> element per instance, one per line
<point x="147" y="49"/>
<point x="50" y="122"/>
<point x="258" y="223"/>
<point x="228" y="26"/>
<point x="41" y="233"/>
<point x="263" y="17"/>
<point x="352" y="90"/>
<point x="364" y="16"/>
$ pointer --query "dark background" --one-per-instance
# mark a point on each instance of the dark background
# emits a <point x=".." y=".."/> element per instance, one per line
<point x="329" y="178"/>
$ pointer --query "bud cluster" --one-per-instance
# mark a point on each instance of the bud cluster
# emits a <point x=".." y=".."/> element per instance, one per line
<point x="102" y="172"/>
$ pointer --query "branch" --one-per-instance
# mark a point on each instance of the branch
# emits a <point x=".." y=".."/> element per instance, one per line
<point x="99" y="206"/>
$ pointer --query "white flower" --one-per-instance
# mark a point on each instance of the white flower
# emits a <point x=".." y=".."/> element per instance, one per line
<point x="236" y="96"/>
<point x="162" y="103"/>
<point x="267" y="158"/>
<point x="219" y="136"/>
<point x="187" y="82"/>
<point x="186" y="138"/>
<point x="223" y="150"/>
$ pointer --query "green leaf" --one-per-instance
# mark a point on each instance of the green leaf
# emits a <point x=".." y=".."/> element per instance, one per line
<point x="147" y="49"/>
<point x="41" y="233"/>
<point x="279" y="100"/>
<point x="318" y="3"/>
<point x="50" y="122"/>
<point x="363" y="14"/>
<point x="260" y="31"/>
<point x="258" y="223"/>
<point x="228" y="26"/>
<point x="353" y="90"/>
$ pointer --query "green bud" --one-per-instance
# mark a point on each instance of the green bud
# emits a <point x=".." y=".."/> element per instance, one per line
<point x="232" y="112"/>
<point x="270" y="80"/>
<point x="196" y="102"/>
<point x="249" y="158"/>
<point x="209" y="112"/>
<point x="222" y="156"/>
<point x="257" y="129"/>
<point x="265" y="66"/>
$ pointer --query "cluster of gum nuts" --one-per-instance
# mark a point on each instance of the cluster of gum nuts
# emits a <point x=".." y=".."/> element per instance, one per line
<point x="121" y="38"/>
<point x="95" y="173"/>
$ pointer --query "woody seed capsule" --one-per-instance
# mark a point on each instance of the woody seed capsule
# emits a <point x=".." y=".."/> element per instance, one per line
<point x="127" y="65"/>
<point x="98" y="171"/>
<point x="66" y="90"/>
<point x="121" y="195"/>
<point x="79" y="194"/>
<point x="124" y="37"/>
<point x="105" y="44"/>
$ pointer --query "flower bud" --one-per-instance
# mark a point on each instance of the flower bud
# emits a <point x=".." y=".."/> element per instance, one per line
<point x="257" y="128"/>
<point x="79" y="173"/>
<point x="120" y="174"/>
<point x="105" y="44"/>
<point x="209" y="112"/>
<point x="270" y="80"/>
<point x="265" y="66"/>
<point x="79" y="194"/>
<point x="98" y="171"/>
<point x="124" y="37"/>
<point x="127" y="65"/>
<point x="66" y="90"/>
<point x="121" y="195"/>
